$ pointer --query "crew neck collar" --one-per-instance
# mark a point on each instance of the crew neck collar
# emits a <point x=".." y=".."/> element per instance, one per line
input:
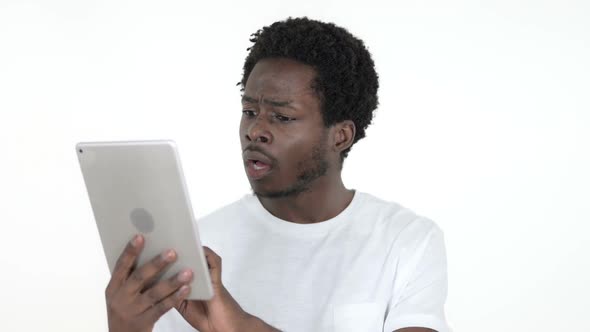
<point x="262" y="215"/>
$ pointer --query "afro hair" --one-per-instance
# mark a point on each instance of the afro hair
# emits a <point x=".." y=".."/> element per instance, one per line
<point x="346" y="81"/>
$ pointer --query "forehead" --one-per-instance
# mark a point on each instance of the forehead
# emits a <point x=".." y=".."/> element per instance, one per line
<point x="280" y="77"/>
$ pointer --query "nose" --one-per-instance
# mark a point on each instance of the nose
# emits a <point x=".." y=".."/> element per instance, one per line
<point x="258" y="132"/>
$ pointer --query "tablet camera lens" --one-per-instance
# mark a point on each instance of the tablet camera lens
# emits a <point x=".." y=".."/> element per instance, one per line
<point x="80" y="150"/>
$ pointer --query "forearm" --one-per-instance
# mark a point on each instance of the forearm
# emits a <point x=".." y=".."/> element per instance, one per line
<point x="256" y="324"/>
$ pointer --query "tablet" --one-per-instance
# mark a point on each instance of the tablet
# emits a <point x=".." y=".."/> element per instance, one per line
<point x="138" y="187"/>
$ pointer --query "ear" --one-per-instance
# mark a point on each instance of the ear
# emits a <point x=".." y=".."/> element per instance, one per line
<point x="342" y="134"/>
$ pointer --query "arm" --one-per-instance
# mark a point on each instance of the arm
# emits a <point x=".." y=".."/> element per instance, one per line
<point x="256" y="324"/>
<point x="417" y="301"/>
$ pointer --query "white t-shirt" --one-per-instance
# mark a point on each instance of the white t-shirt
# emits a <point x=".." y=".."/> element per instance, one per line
<point x="377" y="266"/>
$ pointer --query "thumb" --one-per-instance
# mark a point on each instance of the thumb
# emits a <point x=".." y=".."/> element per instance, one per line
<point x="214" y="262"/>
<point x="193" y="312"/>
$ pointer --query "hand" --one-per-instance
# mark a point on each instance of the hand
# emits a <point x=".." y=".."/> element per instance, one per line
<point x="134" y="303"/>
<point x="220" y="314"/>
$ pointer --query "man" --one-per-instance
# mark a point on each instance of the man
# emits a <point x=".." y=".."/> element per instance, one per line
<point x="303" y="253"/>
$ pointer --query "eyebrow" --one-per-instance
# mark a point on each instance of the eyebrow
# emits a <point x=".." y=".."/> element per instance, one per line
<point x="271" y="102"/>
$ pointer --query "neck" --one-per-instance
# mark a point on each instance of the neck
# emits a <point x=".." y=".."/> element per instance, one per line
<point x="325" y="199"/>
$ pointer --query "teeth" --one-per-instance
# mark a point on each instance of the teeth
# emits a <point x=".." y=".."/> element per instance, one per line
<point x="256" y="167"/>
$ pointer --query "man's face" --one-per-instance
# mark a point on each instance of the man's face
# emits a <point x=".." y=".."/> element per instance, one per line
<point x="284" y="141"/>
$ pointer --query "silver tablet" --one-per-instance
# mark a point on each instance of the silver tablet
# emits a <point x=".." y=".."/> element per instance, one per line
<point x="138" y="187"/>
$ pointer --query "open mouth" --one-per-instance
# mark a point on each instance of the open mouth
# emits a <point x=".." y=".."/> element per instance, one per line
<point x="257" y="169"/>
<point x="259" y="165"/>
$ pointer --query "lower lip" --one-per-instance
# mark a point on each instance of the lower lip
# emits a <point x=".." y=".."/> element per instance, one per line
<point x="256" y="174"/>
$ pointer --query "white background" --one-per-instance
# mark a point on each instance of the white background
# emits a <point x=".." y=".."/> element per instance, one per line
<point x="483" y="126"/>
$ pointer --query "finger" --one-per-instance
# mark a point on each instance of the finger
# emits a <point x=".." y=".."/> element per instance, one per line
<point x="126" y="262"/>
<point x="145" y="274"/>
<point x="193" y="312"/>
<point x="163" y="289"/>
<point x="162" y="307"/>
<point x="214" y="262"/>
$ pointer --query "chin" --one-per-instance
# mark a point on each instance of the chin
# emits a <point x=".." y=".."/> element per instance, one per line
<point x="278" y="192"/>
<point x="263" y="191"/>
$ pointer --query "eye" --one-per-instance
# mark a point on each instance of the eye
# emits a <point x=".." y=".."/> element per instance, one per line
<point x="283" y="118"/>
<point x="248" y="113"/>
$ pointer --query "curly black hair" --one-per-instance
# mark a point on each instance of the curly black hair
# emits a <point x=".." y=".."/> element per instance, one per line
<point x="346" y="80"/>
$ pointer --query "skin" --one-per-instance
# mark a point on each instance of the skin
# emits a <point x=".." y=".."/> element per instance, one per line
<point x="282" y="120"/>
<point x="130" y="310"/>
<point x="280" y="89"/>
<point x="134" y="306"/>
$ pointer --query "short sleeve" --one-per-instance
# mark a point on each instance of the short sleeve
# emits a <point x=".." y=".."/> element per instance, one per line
<point x="420" y="290"/>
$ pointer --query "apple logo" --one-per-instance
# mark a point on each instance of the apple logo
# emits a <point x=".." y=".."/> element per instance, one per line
<point x="142" y="220"/>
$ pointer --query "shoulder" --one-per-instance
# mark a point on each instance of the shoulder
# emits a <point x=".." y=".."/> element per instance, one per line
<point x="414" y="242"/>
<point x="401" y="224"/>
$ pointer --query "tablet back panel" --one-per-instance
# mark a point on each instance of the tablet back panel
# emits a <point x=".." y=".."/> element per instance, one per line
<point x="138" y="187"/>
